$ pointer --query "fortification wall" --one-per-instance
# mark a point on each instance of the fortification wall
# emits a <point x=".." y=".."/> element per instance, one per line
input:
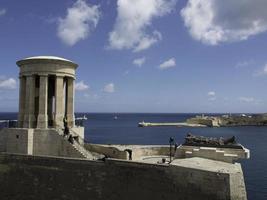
<point x="55" y="178"/>
<point x="3" y="139"/>
<point x="214" y="153"/>
<point x="207" y="122"/>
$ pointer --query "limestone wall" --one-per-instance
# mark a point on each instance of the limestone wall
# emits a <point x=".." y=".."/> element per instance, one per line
<point x="144" y="151"/>
<point x="14" y="141"/>
<point x="49" y="143"/>
<point x="54" y="178"/>
<point x="79" y="130"/>
<point x="207" y="122"/>
<point x="222" y="154"/>
<point x="36" y="142"/>
<point x="111" y="152"/>
<point x="138" y="151"/>
<point x="3" y="139"/>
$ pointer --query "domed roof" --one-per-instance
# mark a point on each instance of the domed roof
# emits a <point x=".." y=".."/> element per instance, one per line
<point x="44" y="58"/>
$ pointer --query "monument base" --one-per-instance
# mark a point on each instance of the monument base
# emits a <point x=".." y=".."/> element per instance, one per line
<point x="42" y="121"/>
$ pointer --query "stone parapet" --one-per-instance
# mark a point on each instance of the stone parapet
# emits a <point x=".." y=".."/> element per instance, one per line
<point x="221" y="154"/>
<point x="62" y="178"/>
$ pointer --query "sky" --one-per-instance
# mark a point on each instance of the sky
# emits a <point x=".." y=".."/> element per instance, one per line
<point x="158" y="56"/>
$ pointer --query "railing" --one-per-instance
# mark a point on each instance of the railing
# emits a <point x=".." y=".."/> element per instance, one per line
<point x="79" y="121"/>
<point x="8" y="124"/>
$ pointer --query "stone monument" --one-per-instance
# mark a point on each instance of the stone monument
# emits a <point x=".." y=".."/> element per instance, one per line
<point x="46" y="92"/>
<point x="46" y="99"/>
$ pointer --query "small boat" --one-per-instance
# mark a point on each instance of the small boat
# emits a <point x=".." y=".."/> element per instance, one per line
<point x="81" y="118"/>
<point x="115" y="117"/>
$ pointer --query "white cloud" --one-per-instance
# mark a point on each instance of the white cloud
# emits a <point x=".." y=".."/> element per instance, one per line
<point x="126" y="72"/>
<point x="81" y="86"/>
<point x="216" y="21"/>
<point x="211" y="93"/>
<point x="134" y="17"/>
<point x="91" y="96"/>
<point x="246" y="99"/>
<point x="8" y="84"/>
<point x="261" y="72"/>
<point x="139" y="61"/>
<point x="81" y="19"/>
<point x="167" y="64"/>
<point x="109" y="88"/>
<point x="265" y="69"/>
<point x="244" y="63"/>
<point x="2" y="12"/>
<point x="212" y="96"/>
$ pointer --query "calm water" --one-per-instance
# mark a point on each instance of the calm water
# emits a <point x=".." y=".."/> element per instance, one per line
<point x="102" y="128"/>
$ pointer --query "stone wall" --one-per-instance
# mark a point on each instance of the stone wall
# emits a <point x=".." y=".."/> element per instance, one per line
<point x="222" y="154"/>
<point x="55" y="178"/>
<point x="14" y="141"/>
<point x="138" y="151"/>
<point x="111" y="152"/>
<point x="50" y="143"/>
<point x="3" y="139"/>
<point x="36" y="142"/>
<point x="141" y="152"/>
<point x="79" y="130"/>
<point x="206" y="122"/>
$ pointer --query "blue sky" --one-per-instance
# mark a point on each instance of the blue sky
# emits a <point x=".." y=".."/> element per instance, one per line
<point x="144" y="55"/>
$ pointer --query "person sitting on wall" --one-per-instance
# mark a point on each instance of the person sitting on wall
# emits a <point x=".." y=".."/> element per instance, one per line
<point x="65" y="122"/>
<point x="76" y="138"/>
<point x="66" y="131"/>
<point x="103" y="158"/>
<point x="71" y="140"/>
<point x="175" y="147"/>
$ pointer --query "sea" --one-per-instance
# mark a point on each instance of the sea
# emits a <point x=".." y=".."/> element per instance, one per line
<point x="122" y="128"/>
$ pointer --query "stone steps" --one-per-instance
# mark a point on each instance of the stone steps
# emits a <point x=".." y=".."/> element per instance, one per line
<point x="82" y="150"/>
<point x="78" y="147"/>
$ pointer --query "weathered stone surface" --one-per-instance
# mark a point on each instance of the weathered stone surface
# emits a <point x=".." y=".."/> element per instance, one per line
<point x="59" y="104"/>
<point x="54" y="178"/>
<point x="43" y="100"/>
<point x="70" y="102"/>
<point x="22" y="98"/>
<point x="42" y="120"/>
<point x="36" y="142"/>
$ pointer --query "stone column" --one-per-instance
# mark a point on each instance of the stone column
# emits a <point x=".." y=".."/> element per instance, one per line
<point x="42" y="113"/>
<point x="70" y="102"/>
<point x="22" y="95"/>
<point x="29" y="117"/>
<point x="59" y="110"/>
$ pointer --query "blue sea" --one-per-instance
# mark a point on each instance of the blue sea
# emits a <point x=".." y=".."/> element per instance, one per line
<point x="104" y="128"/>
